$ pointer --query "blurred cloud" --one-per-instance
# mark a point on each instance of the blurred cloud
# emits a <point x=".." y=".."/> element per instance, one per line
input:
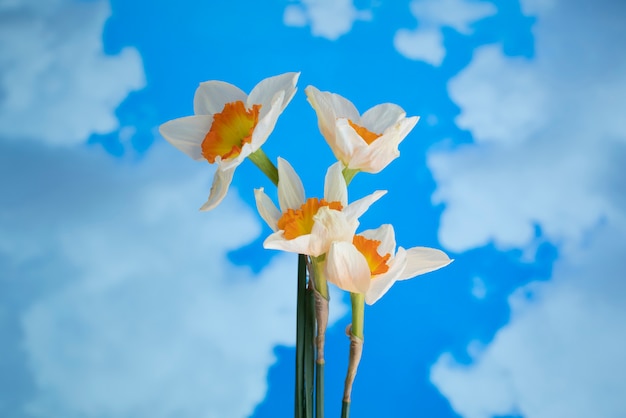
<point x="425" y="43"/>
<point x="536" y="7"/>
<point x="137" y="310"/>
<point x="523" y="103"/>
<point x="561" y="355"/>
<point x="549" y="137"/>
<point x="328" y="19"/>
<point x="117" y="297"/>
<point x="56" y="83"/>
<point x="139" y="313"/>
<point x="549" y="146"/>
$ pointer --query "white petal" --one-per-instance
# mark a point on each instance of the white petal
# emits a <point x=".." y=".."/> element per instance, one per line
<point x="335" y="189"/>
<point x="348" y="140"/>
<point x="329" y="107"/>
<point x="187" y="134"/>
<point x="404" y="126"/>
<point x="343" y="108"/>
<point x="264" y="92"/>
<point x="422" y="260"/>
<point x="386" y="235"/>
<point x="267" y="209"/>
<point x="347" y="268"/>
<point x="325" y="113"/>
<point x="221" y="182"/>
<point x="331" y="104"/>
<point x="359" y="207"/>
<point x="211" y="96"/>
<point x="290" y="188"/>
<point x="375" y="157"/>
<point x="382" y="116"/>
<point x="396" y="133"/>
<point x="378" y="287"/>
<point x="330" y="225"/>
<point x="267" y="120"/>
<point x="382" y="283"/>
<point x="298" y="245"/>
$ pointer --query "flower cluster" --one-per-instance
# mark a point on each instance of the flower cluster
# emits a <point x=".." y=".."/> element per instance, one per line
<point x="230" y="126"/>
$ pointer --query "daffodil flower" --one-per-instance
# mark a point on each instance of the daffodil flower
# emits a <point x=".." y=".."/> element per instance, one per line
<point x="370" y="264"/>
<point x="308" y="226"/>
<point x="229" y="125"/>
<point x="365" y="143"/>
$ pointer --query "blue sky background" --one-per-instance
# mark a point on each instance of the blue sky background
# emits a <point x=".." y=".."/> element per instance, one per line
<point x="119" y="299"/>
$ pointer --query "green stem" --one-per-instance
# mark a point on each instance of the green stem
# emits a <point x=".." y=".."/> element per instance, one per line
<point x="348" y="174"/>
<point x="300" y="317"/>
<point x="319" y="279"/>
<point x="265" y="165"/>
<point x="320" y="289"/>
<point x="358" y="311"/>
<point x="309" y="348"/>
<point x="319" y="390"/>
<point x="356" y="349"/>
<point x="304" y="347"/>
<point x="345" y="409"/>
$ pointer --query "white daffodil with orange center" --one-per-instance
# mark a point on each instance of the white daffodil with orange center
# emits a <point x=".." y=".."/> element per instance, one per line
<point x="229" y="125"/>
<point x="367" y="142"/>
<point x="370" y="263"/>
<point x="308" y="226"/>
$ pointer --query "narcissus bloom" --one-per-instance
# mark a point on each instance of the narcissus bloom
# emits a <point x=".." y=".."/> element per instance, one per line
<point x="308" y="226"/>
<point x="370" y="263"/>
<point x="229" y="125"/>
<point x="367" y="143"/>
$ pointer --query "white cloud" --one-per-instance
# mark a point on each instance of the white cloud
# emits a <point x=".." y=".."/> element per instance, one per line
<point x="562" y="353"/>
<point x="457" y="14"/>
<point x="56" y="83"/>
<point x="421" y="45"/>
<point x="425" y="43"/>
<point x="552" y="132"/>
<point x="513" y="83"/>
<point x="328" y="19"/>
<point x="550" y="144"/>
<point x="295" y="15"/>
<point x="498" y="193"/>
<point x="536" y="7"/>
<point x="138" y="312"/>
<point x="479" y="288"/>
